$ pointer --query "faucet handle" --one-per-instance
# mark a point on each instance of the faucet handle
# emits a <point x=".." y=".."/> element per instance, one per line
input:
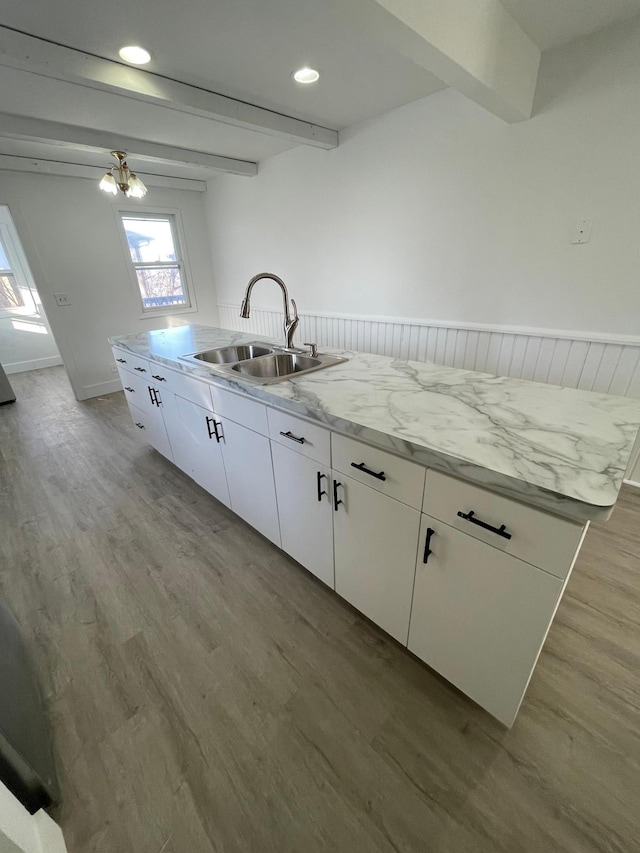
<point x="295" y="309"/>
<point x="314" y="348"/>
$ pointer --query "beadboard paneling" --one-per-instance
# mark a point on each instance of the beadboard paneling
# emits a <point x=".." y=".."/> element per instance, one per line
<point x="610" y="366"/>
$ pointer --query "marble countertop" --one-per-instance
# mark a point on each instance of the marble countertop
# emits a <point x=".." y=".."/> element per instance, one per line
<point x="555" y="448"/>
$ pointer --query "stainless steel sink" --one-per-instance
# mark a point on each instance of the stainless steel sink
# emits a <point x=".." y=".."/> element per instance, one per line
<point x="277" y="366"/>
<point x="230" y="354"/>
<point x="261" y="364"/>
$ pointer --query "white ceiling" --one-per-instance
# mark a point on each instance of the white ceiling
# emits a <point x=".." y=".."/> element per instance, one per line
<point x="244" y="49"/>
<point x="553" y="23"/>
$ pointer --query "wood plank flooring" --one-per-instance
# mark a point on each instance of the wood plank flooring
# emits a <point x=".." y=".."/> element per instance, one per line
<point x="207" y="694"/>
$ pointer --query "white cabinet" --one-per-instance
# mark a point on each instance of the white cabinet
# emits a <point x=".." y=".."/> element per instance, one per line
<point x="375" y="541"/>
<point x="152" y="430"/>
<point x="479" y="616"/>
<point x="247" y="461"/>
<point x="195" y="436"/>
<point x="303" y="489"/>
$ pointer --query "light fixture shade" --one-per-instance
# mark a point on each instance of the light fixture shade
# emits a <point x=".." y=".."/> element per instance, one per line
<point x="136" y="188"/>
<point x="108" y="184"/>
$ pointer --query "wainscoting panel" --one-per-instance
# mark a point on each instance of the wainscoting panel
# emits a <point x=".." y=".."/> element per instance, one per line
<point x="610" y="365"/>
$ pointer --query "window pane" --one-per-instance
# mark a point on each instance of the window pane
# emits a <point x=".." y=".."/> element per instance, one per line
<point x="4" y="260"/>
<point x="150" y="240"/>
<point x="160" y="287"/>
<point x="10" y="293"/>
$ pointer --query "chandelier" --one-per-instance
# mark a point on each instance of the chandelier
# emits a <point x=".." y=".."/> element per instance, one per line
<point x="124" y="179"/>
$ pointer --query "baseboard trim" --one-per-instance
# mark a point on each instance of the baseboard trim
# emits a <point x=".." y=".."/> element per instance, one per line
<point x="634" y="483"/>
<point x="100" y="388"/>
<point x="32" y="364"/>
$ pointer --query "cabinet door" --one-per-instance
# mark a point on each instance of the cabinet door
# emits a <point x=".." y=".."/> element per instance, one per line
<point x="247" y="461"/>
<point x="480" y="616"/>
<point x="152" y="429"/>
<point x="306" y="522"/>
<point x="196" y="449"/>
<point x="375" y="540"/>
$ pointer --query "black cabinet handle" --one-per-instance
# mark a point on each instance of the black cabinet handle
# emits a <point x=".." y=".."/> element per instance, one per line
<point x="159" y="378"/>
<point x="336" y="502"/>
<point x="218" y="435"/>
<point x="153" y="394"/>
<point x="289" y="434"/>
<point x="122" y="360"/>
<point x="499" y="531"/>
<point x="210" y="421"/>
<point x="140" y="426"/>
<point x="141" y="369"/>
<point x="362" y="467"/>
<point x="427" y="542"/>
<point x="321" y="491"/>
<point x="129" y="389"/>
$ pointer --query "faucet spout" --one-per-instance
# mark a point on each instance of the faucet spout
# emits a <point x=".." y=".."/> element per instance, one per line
<point x="290" y="322"/>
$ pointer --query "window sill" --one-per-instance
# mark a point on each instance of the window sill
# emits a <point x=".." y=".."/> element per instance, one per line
<point x="163" y="312"/>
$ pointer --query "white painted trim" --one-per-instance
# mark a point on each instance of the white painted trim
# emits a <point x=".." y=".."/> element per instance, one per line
<point x="99" y="389"/>
<point x="632" y="483"/>
<point x="15" y="163"/>
<point x="99" y="141"/>
<point x="529" y="331"/>
<point x="21" y="832"/>
<point x="32" y="364"/>
<point x="47" y="59"/>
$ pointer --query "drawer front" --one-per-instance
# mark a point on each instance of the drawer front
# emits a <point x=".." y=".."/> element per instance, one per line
<point x="136" y="390"/>
<point x="128" y="361"/>
<point x="239" y="408"/>
<point x="538" y="538"/>
<point x="184" y="386"/>
<point x="389" y="474"/>
<point x="152" y="430"/>
<point x="309" y="439"/>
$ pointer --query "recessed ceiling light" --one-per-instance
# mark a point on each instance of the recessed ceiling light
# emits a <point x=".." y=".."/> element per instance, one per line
<point x="135" y="54"/>
<point x="306" y="75"/>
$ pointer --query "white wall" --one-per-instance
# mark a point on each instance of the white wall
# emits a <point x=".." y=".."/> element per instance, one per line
<point x="21" y="832"/>
<point x="439" y="210"/>
<point x="26" y="342"/>
<point x="71" y="239"/>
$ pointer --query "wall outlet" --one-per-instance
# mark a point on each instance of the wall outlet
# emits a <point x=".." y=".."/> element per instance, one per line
<point x="62" y="299"/>
<point x="582" y="231"/>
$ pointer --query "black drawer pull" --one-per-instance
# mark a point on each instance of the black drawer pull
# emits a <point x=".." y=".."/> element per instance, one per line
<point x="122" y="360"/>
<point x="499" y="531"/>
<point x="140" y="426"/>
<point x="159" y="378"/>
<point x="362" y="467"/>
<point x="336" y="502"/>
<point x="289" y="434"/>
<point x="427" y="543"/>
<point x="321" y="491"/>
<point x="129" y="389"/>
<point x="141" y="369"/>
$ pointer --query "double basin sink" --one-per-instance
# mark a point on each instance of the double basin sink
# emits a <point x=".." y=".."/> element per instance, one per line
<point x="261" y="363"/>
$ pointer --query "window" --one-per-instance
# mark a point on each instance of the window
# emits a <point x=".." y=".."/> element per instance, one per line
<point x="154" y="249"/>
<point x="17" y="293"/>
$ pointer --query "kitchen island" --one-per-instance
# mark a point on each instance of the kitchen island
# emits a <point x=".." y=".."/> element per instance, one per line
<point x="447" y="506"/>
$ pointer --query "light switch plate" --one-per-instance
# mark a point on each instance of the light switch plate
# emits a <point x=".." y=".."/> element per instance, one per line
<point x="582" y="231"/>
<point x="62" y="299"/>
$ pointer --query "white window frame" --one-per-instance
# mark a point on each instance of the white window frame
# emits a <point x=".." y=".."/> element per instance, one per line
<point x="19" y="267"/>
<point x="182" y="261"/>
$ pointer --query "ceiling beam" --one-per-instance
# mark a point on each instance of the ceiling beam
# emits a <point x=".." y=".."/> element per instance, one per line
<point x="19" y="50"/>
<point x="13" y="163"/>
<point x="475" y="46"/>
<point x="87" y="139"/>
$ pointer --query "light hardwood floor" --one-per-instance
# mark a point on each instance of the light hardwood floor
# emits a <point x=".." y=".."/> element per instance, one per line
<point x="207" y="694"/>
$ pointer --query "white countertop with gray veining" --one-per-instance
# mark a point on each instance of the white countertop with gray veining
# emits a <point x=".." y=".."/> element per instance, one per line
<point x="556" y="448"/>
